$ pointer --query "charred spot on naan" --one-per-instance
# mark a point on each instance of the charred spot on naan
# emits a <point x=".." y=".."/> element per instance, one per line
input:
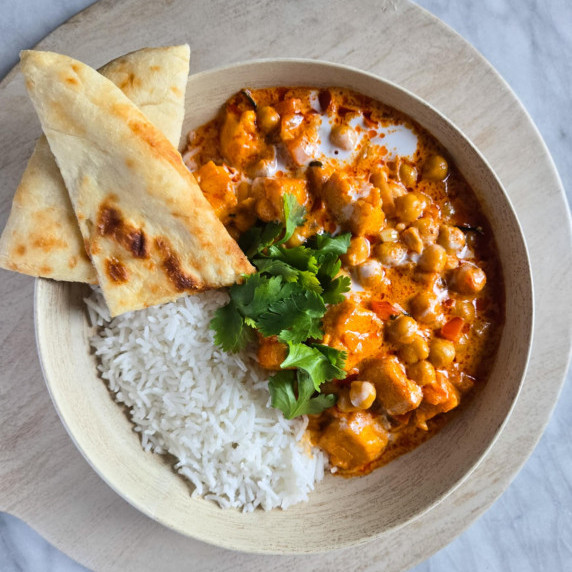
<point x="110" y="223"/>
<point x="171" y="265"/>
<point x="116" y="270"/>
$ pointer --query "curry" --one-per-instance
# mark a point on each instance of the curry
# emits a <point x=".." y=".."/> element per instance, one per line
<point x="425" y="311"/>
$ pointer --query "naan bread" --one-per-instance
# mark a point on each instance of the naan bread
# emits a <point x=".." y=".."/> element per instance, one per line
<point x="151" y="234"/>
<point x="42" y="237"/>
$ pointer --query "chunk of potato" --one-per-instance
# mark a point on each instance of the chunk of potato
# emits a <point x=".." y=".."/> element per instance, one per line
<point x="271" y="353"/>
<point x="353" y="440"/>
<point x="218" y="188"/>
<point x="355" y="205"/>
<point x="439" y="397"/>
<point x="353" y="329"/>
<point x="268" y="193"/>
<point x="396" y="393"/>
<point x="240" y="141"/>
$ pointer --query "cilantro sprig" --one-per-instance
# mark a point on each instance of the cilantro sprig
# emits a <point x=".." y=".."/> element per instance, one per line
<point x="288" y="298"/>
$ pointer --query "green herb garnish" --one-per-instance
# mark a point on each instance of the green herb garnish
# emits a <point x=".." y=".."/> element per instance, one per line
<point x="287" y="298"/>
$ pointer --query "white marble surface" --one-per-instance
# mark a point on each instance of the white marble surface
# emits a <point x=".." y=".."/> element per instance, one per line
<point x="530" y="43"/>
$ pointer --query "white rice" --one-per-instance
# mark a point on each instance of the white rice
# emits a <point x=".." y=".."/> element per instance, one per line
<point x="209" y="409"/>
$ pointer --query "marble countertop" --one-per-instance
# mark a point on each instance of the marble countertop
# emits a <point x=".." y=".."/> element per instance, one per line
<point x="529" y="42"/>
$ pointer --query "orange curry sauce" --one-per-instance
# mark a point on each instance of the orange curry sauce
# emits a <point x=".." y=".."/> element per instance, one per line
<point x="424" y="316"/>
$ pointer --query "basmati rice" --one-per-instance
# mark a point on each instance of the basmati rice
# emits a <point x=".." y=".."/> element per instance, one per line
<point x="209" y="409"/>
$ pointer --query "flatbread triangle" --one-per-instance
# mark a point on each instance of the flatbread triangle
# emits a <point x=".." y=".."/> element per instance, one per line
<point x="42" y="237"/>
<point x="151" y="234"/>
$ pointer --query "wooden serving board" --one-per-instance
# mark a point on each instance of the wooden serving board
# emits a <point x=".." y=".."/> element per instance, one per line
<point x="45" y="481"/>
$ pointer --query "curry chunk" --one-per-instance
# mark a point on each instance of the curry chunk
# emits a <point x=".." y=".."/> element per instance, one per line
<point x="438" y="397"/>
<point x="441" y="392"/>
<point x="240" y="143"/>
<point x="218" y="188"/>
<point x="353" y="329"/>
<point x="271" y="352"/>
<point x="356" y="205"/>
<point x="353" y="440"/>
<point x="269" y="192"/>
<point x="396" y="393"/>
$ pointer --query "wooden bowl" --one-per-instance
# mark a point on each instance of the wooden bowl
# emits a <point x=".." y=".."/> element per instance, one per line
<point x="340" y="512"/>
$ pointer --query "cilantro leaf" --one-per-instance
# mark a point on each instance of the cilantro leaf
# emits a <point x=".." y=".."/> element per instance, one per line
<point x="253" y="296"/>
<point x="329" y="269"/>
<point x="325" y="245"/>
<point x="306" y="279"/>
<point x="231" y="333"/>
<point x="319" y="365"/>
<point x="294" y="216"/>
<point x="276" y="268"/>
<point x="302" y="328"/>
<point x="336" y="357"/>
<point x="281" y="387"/>
<point x="334" y="291"/>
<point x="302" y="312"/>
<point x="299" y="257"/>
<point x="257" y="238"/>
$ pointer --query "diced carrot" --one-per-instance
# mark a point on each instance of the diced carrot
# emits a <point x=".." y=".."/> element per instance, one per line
<point x="384" y="310"/>
<point x="453" y="329"/>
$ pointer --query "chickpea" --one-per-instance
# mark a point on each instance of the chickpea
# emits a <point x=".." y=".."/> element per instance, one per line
<point x="468" y="279"/>
<point x="435" y="168"/>
<point x="412" y="239"/>
<point x="441" y="352"/>
<point x="344" y="137"/>
<point x="465" y="309"/>
<point x="451" y="238"/>
<point x="358" y="251"/>
<point x="407" y="175"/>
<point x="362" y="394"/>
<point x="452" y="262"/>
<point x="410" y="207"/>
<point x="422" y="373"/>
<point x="402" y="330"/>
<point x="389" y="235"/>
<point x="371" y="274"/>
<point x="268" y="119"/>
<point x="433" y="258"/>
<point x="428" y="229"/>
<point x="391" y="253"/>
<point x="416" y="350"/>
<point x="425" y="307"/>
